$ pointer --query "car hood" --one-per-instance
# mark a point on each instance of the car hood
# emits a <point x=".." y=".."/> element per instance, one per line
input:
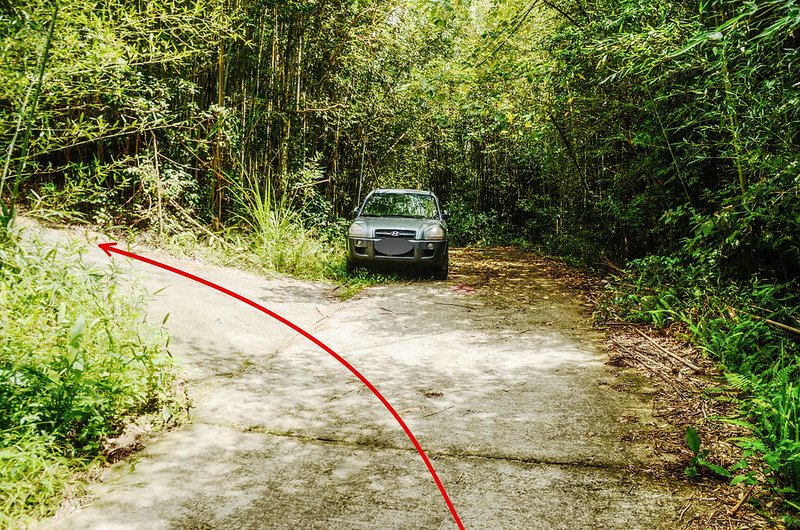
<point x="398" y="223"/>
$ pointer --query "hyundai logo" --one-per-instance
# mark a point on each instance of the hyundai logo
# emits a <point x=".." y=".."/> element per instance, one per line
<point x="395" y="233"/>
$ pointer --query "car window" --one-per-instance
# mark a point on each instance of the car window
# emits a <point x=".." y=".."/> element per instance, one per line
<point x="400" y="205"/>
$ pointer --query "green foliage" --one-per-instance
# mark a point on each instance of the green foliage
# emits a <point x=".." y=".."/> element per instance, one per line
<point x="776" y="413"/>
<point x="699" y="456"/>
<point x="727" y="320"/>
<point x="679" y="106"/>
<point x="77" y="361"/>
<point x="33" y="475"/>
<point x="110" y="101"/>
<point x="468" y="227"/>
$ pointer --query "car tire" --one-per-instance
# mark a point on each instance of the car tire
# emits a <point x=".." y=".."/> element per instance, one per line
<point x="350" y="268"/>
<point x="441" y="271"/>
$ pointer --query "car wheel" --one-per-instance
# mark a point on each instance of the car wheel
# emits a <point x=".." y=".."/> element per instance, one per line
<point x="440" y="272"/>
<point x="350" y="268"/>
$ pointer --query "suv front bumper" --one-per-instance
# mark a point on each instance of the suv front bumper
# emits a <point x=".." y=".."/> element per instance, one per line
<point x="362" y="252"/>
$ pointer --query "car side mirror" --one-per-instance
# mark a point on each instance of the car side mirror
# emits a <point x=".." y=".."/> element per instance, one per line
<point x="445" y="215"/>
<point x="354" y="213"/>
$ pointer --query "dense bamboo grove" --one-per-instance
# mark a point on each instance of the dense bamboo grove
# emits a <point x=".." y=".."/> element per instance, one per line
<point x="662" y="131"/>
<point x="193" y="98"/>
<point x="660" y="120"/>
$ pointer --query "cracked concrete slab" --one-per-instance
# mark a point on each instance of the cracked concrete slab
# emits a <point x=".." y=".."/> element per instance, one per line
<point x="259" y="480"/>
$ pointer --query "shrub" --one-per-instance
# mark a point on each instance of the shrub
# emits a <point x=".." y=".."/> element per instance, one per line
<point x="77" y="362"/>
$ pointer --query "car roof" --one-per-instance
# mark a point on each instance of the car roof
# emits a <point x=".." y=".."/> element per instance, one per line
<point x="400" y="190"/>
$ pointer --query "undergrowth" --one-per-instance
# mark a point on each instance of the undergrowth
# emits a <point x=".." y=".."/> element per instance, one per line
<point x="749" y="328"/>
<point x="237" y="248"/>
<point x="289" y="230"/>
<point x="78" y="361"/>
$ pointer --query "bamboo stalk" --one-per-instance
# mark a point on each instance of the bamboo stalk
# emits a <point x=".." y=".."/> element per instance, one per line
<point x="771" y="322"/>
<point x="10" y="212"/>
<point x="156" y="165"/>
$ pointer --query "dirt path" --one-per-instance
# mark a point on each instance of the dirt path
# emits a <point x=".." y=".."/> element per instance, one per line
<point x="496" y="371"/>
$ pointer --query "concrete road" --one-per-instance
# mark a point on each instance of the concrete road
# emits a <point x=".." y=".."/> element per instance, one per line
<point x="496" y="371"/>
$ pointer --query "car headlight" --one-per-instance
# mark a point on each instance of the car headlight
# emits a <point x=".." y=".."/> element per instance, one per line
<point x="434" y="232"/>
<point x="357" y="230"/>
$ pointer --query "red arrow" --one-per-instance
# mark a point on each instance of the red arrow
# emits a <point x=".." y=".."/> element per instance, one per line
<point x="108" y="248"/>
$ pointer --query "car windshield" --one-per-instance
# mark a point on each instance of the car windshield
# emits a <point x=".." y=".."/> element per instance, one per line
<point x="400" y="205"/>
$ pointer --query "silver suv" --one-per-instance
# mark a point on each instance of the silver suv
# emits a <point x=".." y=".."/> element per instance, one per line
<point x="400" y="229"/>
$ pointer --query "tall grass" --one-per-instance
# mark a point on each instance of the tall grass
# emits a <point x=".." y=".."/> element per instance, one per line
<point x="77" y="362"/>
<point x="33" y="475"/>
<point x="290" y="230"/>
<point x="279" y="240"/>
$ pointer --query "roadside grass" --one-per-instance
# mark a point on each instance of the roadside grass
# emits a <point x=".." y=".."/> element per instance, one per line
<point x="34" y="475"/>
<point x="243" y="250"/>
<point x="269" y="236"/>
<point x="78" y="361"/>
<point x="738" y="325"/>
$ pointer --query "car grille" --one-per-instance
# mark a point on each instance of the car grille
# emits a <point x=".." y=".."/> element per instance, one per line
<point x="395" y="234"/>
<point x="409" y="254"/>
<point x="402" y="234"/>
